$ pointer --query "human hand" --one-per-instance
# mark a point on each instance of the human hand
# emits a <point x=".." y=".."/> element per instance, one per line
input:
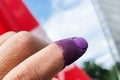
<point x="22" y="56"/>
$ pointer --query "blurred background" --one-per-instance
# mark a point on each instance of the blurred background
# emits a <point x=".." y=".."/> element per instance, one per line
<point x="98" y="21"/>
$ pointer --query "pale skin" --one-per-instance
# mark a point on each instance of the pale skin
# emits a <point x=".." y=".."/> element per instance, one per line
<point x="25" y="57"/>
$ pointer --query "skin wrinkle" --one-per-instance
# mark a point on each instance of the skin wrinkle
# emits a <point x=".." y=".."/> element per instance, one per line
<point x="4" y="67"/>
<point x="6" y="36"/>
<point x="21" y="76"/>
<point x="4" y="64"/>
<point x="31" y="68"/>
<point x="36" y="69"/>
<point x="5" y="61"/>
<point x="37" y="74"/>
<point x="18" y="77"/>
<point x="27" y="41"/>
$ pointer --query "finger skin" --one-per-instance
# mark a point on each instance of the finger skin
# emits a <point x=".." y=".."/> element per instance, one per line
<point x="54" y="79"/>
<point x="16" y="49"/>
<point x="42" y="61"/>
<point x="47" y="62"/>
<point x="6" y="36"/>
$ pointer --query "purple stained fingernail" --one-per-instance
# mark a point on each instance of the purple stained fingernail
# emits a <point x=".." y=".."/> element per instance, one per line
<point x="72" y="48"/>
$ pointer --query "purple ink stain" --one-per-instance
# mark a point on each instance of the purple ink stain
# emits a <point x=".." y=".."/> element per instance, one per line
<point x="72" y="48"/>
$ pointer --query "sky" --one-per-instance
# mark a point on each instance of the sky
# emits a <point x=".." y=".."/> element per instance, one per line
<point x="73" y="18"/>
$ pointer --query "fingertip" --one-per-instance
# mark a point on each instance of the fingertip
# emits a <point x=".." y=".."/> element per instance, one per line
<point x="72" y="48"/>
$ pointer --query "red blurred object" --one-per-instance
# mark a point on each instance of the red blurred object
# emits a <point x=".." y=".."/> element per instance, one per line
<point x="2" y="29"/>
<point x="15" y="16"/>
<point x="73" y="73"/>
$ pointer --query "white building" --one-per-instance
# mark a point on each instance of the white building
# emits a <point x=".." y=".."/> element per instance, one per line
<point x="109" y="15"/>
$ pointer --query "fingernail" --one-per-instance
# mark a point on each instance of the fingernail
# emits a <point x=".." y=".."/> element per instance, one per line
<point x="72" y="48"/>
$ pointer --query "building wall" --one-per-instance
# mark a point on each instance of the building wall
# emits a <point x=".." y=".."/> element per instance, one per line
<point x="111" y="11"/>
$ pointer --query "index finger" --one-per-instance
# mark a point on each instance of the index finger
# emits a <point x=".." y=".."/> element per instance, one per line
<point x="49" y="61"/>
